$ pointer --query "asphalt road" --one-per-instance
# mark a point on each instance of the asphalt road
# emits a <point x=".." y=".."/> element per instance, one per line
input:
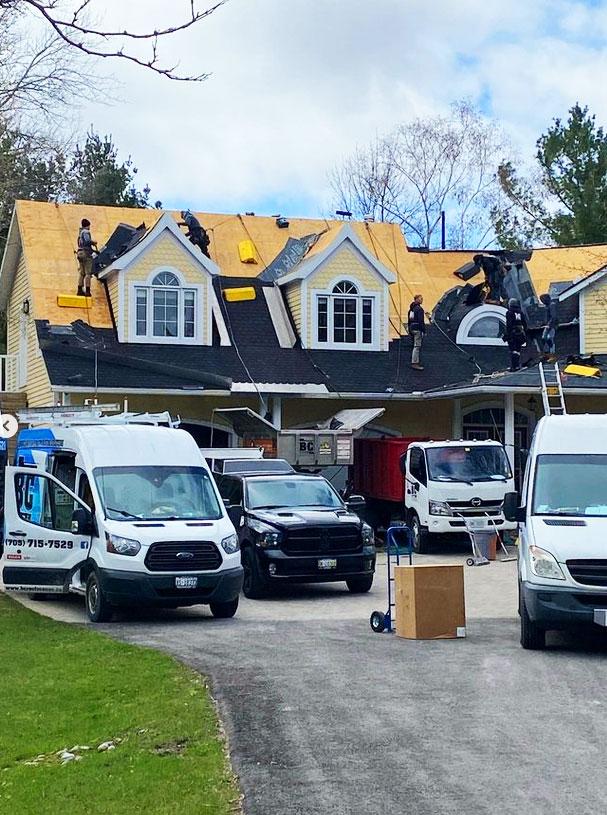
<point x="323" y="716"/>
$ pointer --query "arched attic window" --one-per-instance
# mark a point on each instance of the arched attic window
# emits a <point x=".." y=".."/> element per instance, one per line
<point x="345" y="316"/>
<point x="165" y="310"/>
<point x="482" y="326"/>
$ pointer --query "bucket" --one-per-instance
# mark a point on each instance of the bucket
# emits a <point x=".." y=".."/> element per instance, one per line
<point x="487" y="544"/>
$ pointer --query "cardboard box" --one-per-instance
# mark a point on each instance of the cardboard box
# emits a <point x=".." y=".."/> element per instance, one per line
<point x="430" y="602"/>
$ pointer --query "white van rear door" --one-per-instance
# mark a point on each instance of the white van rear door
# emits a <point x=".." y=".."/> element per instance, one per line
<point x="40" y="549"/>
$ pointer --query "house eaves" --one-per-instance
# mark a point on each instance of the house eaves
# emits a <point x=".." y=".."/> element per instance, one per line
<point x="10" y="261"/>
<point x="582" y="284"/>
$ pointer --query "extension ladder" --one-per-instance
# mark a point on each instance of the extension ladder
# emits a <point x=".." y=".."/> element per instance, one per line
<point x="552" y="390"/>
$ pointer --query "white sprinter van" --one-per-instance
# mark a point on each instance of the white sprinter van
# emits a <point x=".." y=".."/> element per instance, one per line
<point x="123" y="514"/>
<point x="562" y="566"/>
<point x="453" y="484"/>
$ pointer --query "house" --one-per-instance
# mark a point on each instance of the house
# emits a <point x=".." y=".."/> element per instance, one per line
<point x="295" y="318"/>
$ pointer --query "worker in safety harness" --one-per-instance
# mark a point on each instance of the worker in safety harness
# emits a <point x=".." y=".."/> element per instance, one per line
<point x="196" y="233"/>
<point x="516" y="333"/>
<point x="417" y="328"/>
<point x="84" y="255"/>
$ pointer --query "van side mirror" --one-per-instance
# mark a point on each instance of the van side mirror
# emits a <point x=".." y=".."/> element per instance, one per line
<point x="82" y="522"/>
<point x="512" y="510"/>
<point x="403" y="464"/>
<point x="235" y="513"/>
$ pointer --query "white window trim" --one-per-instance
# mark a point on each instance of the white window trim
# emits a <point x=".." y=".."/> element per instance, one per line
<point x="374" y="345"/>
<point x="473" y="317"/>
<point x="200" y="305"/>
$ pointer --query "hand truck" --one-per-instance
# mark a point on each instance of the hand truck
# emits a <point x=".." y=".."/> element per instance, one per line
<point x="379" y="620"/>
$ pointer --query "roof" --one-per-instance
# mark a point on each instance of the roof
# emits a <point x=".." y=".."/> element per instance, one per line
<point x="576" y="288"/>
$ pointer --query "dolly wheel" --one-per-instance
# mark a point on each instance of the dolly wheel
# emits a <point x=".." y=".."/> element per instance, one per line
<point x="470" y="561"/>
<point x="378" y="621"/>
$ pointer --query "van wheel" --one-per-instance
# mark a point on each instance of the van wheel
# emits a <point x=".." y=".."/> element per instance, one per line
<point x="222" y="611"/>
<point x="420" y="536"/>
<point x="533" y="638"/>
<point x="97" y="607"/>
<point x="253" y="585"/>
<point x="360" y="585"/>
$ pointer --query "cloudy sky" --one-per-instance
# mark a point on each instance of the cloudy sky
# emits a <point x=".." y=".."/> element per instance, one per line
<point x="297" y="84"/>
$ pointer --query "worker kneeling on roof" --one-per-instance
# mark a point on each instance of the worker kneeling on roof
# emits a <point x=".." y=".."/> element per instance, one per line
<point x="196" y="232"/>
<point x="84" y="254"/>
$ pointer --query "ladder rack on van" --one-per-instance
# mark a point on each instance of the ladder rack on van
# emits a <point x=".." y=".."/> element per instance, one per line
<point x="92" y="414"/>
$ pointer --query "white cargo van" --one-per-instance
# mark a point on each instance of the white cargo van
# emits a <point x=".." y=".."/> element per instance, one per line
<point x="451" y="484"/>
<point x="563" y="527"/>
<point x="123" y="514"/>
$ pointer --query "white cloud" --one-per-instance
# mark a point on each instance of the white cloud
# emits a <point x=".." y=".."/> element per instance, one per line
<point x="297" y="84"/>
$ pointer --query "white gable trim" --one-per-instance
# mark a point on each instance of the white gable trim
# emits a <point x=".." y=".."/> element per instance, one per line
<point x="10" y="261"/>
<point x="584" y="283"/>
<point x="165" y="223"/>
<point x="346" y="233"/>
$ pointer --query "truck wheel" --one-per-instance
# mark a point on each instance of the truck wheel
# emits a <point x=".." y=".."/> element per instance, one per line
<point x="97" y="607"/>
<point x="253" y="585"/>
<point x="419" y="536"/>
<point x="360" y="585"/>
<point x="533" y="638"/>
<point x="222" y="611"/>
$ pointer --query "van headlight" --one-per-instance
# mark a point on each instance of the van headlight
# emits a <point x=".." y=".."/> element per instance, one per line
<point x="118" y="545"/>
<point x="368" y="535"/>
<point x="440" y="508"/>
<point x="543" y="564"/>
<point x="230" y="544"/>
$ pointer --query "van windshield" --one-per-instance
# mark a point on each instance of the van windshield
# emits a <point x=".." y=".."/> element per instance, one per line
<point x="272" y="493"/>
<point x="468" y="464"/>
<point x="157" y="493"/>
<point x="571" y="484"/>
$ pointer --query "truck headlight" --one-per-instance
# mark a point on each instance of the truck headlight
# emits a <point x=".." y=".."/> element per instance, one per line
<point x="269" y="539"/>
<point x="440" y="508"/>
<point x="230" y="544"/>
<point x="368" y="535"/>
<point x="118" y="545"/>
<point x="543" y="564"/>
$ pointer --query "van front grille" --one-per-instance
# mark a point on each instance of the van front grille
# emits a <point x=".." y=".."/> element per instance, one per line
<point x="588" y="572"/>
<point x="183" y="556"/>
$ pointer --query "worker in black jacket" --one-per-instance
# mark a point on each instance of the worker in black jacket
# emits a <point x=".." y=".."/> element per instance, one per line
<point x="552" y="323"/>
<point x="516" y="333"/>
<point x="417" y="328"/>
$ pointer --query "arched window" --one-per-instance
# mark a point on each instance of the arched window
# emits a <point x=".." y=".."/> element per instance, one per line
<point x="345" y="316"/>
<point x="484" y="325"/>
<point x="164" y="310"/>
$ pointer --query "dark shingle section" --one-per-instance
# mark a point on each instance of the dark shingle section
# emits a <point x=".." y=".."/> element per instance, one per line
<point x="248" y="321"/>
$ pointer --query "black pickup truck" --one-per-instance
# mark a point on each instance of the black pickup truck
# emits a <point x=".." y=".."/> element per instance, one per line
<point x="295" y="528"/>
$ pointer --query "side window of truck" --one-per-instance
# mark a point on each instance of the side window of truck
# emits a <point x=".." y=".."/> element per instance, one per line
<point x="230" y="490"/>
<point x="417" y="465"/>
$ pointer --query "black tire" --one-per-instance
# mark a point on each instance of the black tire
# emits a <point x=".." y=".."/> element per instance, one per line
<point x="470" y="561"/>
<point x="223" y="611"/>
<point x="97" y="607"/>
<point x="533" y="637"/>
<point x="378" y="621"/>
<point x="360" y="585"/>
<point x="419" y="536"/>
<point x="254" y="587"/>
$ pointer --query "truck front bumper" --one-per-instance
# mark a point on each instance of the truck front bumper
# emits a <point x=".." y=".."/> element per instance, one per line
<point x="276" y="565"/>
<point x="446" y="524"/>
<point x="561" y="607"/>
<point x="123" y="588"/>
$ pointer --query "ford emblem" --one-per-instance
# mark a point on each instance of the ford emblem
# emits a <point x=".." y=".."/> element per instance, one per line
<point x="185" y="555"/>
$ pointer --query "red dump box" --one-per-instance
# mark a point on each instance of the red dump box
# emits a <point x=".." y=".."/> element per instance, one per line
<point x="376" y="470"/>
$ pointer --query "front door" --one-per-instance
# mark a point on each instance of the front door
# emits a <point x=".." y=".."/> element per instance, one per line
<point x="40" y="549"/>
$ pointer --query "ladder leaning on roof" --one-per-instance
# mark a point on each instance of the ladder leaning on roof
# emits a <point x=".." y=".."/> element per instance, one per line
<point x="552" y="390"/>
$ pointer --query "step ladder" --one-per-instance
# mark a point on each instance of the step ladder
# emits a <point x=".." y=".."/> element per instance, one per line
<point x="552" y="390"/>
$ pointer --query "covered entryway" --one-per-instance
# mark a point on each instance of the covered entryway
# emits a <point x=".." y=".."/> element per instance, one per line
<point x="487" y="421"/>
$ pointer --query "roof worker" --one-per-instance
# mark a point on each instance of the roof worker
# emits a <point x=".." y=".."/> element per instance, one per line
<point x="552" y="323"/>
<point x="516" y="332"/>
<point x="84" y="255"/>
<point x="416" y="326"/>
<point x="196" y="233"/>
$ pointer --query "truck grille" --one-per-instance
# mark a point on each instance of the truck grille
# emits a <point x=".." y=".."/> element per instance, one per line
<point x="165" y="556"/>
<point x="330" y="540"/>
<point x="465" y="508"/>
<point x="588" y="572"/>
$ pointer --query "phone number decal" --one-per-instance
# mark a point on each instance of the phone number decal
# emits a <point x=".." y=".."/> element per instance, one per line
<point x="36" y="543"/>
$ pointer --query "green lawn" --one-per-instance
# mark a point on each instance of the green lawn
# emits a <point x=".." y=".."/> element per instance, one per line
<point x="62" y="686"/>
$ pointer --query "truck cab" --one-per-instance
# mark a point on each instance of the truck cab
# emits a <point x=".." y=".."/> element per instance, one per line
<point x="562" y="511"/>
<point x="452" y="485"/>
<point x="123" y="514"/>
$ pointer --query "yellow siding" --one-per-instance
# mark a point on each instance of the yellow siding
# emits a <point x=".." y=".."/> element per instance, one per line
<point x="595" y="319"/>
<point x="293" y="295"/>
<point x="345" y="264"/>
<point x="38" y="386"/>
<point x="113" y="291"/>
<point x="165" y="253"/>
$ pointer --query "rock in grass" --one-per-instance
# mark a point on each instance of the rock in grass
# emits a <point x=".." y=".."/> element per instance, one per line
<point x="106" y="745"/>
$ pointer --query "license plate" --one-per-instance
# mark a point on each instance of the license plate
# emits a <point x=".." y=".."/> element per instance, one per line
<point x="186" y="582"/>
<point x="477" y="523"/>
<point x="327" y="563"/>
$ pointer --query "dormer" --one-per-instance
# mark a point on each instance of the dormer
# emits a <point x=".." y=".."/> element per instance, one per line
<point x="338" y="295"/>
<point x="161" y="289"/>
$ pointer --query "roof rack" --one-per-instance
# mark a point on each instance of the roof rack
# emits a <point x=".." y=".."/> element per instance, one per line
<point x="92" y="414"/>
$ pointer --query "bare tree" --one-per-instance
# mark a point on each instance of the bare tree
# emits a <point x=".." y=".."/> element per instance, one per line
<point x="426" y="167"/>
<point x="69" y="22"/>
